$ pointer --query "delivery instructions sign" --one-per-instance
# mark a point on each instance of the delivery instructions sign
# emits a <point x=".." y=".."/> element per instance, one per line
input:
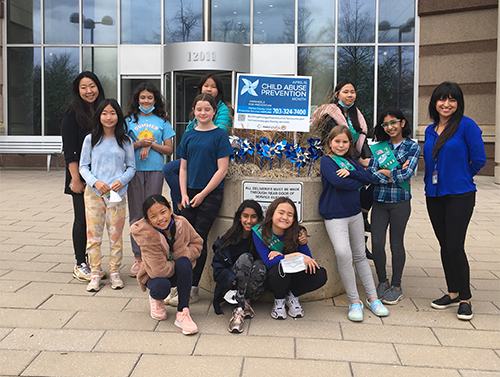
<point x="273" y="103"/>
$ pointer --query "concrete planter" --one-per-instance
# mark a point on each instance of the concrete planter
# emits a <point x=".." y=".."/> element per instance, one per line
<point x="319" y="243"/>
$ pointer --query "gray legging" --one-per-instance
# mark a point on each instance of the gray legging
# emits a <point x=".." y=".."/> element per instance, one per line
<point x="347" y="236"/>
<point x="396" y="215"/>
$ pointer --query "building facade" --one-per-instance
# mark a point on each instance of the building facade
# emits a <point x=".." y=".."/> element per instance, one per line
<point x="389" y="48"/>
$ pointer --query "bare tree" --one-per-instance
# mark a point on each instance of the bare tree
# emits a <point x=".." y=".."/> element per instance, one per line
<point x="180" y="27"/>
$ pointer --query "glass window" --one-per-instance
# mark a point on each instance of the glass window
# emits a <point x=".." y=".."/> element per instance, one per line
<point x="103" y="62"/>
<point x="316" y="21"/>
<point x="231" y="21"/>
<point x="24" y="23"/>
<point x="318" y="62"/>
<point x="61" y="67"/>
<point x="140" y="21"/>
<point x="357" y="64"/>
<point x="395" y="78"/>
<point x="356" y="21"/>
<point x="183" y="20"/>
<point x="59" y="21"/>
<point x="99" y="23"/>
<point x="396" y="21"/>
<point x="274" y="21"/>
<point x="24" y="91"/>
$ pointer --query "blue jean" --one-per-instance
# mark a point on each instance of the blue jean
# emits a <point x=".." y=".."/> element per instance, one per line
<point x="159" y="288"/>
<point x="171" y="174"/>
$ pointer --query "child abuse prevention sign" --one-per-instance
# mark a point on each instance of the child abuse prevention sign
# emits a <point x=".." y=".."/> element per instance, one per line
<point x="273" y="103"/>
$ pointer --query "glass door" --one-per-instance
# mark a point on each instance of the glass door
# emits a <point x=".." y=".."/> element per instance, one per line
<point x="128" y="85"/>
<point x="185" y="89"/>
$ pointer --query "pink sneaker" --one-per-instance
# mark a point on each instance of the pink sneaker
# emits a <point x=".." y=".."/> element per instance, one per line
<point x="134" y="269"/>
<point x="158" y="311"/>
<point x="183" y="321"/>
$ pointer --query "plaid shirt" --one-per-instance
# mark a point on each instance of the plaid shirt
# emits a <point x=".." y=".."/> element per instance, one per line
<point x="386" y="192"/>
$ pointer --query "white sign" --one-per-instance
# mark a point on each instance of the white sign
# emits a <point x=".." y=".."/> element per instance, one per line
<point x="273" y="103"/>
<point x="265" y="192"/>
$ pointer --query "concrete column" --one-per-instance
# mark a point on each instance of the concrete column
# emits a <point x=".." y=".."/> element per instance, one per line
<point x="497" y="118"/>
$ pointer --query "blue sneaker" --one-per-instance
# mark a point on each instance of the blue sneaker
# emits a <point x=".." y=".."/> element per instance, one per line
<point x="355" y="312"/>
<point x="377" y="308"/>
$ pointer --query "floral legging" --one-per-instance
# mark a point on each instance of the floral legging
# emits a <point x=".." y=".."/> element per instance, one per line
<point x="98" y="215"/>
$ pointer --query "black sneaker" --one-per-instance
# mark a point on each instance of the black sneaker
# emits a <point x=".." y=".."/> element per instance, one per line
<point x="445" y="302"/>
<point x="465" y="311"/>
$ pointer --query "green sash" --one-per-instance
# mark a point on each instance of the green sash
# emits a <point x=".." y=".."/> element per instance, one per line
<point x="342" y="162"/>
<point x="386" y="159"/>
<point x="275" y="244"/>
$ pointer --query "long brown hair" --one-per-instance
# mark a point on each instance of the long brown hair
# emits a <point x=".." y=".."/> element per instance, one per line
<point x="291" y="235"/>
<point x="337" y="130"/>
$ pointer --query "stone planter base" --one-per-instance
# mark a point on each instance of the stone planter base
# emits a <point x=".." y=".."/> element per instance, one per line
<point x="319" y="243"/>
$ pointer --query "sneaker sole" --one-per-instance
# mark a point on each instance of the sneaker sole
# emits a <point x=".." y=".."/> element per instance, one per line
<point x="94" y="289"/>
<point x="159" y="319"/>
<point x="79" y="278"/>
<point x="278" y="317"/>
<point x="235" y="331"/>
<point x="392" y="302"/>
<point x="176" y="323"/>
<point x="117" y="286"/>
<point x="440" y="307"/>
<point x="465" y="317"/>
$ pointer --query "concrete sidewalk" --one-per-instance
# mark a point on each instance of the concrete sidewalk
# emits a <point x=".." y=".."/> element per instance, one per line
<point x="51" y="326"/>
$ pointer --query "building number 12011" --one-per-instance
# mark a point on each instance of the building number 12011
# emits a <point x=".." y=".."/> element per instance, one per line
<point x="195" y="56"/>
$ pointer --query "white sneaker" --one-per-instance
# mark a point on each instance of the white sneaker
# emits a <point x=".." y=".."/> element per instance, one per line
<point x="82" y="272"/>
<point x="193" y="297"/>
<point x="294" y="308"/>
<point x="171" y="295"/>
<point x="278" y="311"/>
<point x="116" y="280"/>
<point x="95" y="282"/>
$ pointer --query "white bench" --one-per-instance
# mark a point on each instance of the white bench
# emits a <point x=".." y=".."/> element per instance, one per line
<point x="49" y="145"/>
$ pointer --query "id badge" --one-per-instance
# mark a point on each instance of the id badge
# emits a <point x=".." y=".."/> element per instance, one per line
<point x="434" y="177"/>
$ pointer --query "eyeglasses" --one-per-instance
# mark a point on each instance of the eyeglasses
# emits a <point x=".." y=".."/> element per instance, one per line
<point x="391" y="123"/>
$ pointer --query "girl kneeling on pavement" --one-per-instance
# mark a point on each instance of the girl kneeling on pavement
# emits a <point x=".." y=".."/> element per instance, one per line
<point x="170" y="247"/>
<point x="277" y="242"/>
<point x="237" y="265"/>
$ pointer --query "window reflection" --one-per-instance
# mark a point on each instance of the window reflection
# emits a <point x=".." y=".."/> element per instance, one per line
<point x="183" y="20"/>
<point x="356" y="21"/>
<point x="57" y="21"/>
<point x="24" y="23"/>
<point x="61" y="67"/>
<point x="140" y="21"/>
<point x="24" y="91"/>
<point x="357" y="64"/>
<point x="316" y="21"/>
<point x="99" y="25"/>
<point x="231" y="21"/>
<point x="396" y="21"/>
<point x="103" y="62"/>
<point x="318" y="62"/>
<point x="395" y="78"/>
<point x="274" y="21"/>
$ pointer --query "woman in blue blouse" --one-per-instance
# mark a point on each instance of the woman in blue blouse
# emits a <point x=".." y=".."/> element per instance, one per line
<point x="454" y="154"/>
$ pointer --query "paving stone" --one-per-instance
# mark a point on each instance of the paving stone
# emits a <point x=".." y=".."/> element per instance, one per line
<point x="468" y="338"/>
<point x="370" y="370"/>
<point x="188" y="366"/>
<point x="12" y="285"/>
<point x="117" y="321"/>
<point x="486" y="285"/>
<point x="448" y="357"/>
<point x="253" y="346"/>
<point x="13" y="256"/>
<point x="53" y="277"/>
<point x="344" y="350"/>
<point x="446" y="318"/>
<point x="486" y="322"/>
<point x="146" y="342"/>
<point x="479" y="307"/>
<point x="94" y="304"/>
<point x="24" y="266"/>
<point x="299" y="328"/>
<point x="22" y="300"/>
<point x="82" y="364"/>
<point x="257" y="367"/>
<point x="13" y="362"/>
<point x="388" y="334"/>
<point x="51" y="340"/>
<point x="477" y="373"/>
<point x="74" y="288"/>
<point x="53" y="319"/>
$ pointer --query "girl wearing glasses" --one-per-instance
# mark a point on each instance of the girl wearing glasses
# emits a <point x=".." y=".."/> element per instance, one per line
<point x="392" y="164"/>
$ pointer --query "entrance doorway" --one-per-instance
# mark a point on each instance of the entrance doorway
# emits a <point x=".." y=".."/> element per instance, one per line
<point x="185" y="89"/>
